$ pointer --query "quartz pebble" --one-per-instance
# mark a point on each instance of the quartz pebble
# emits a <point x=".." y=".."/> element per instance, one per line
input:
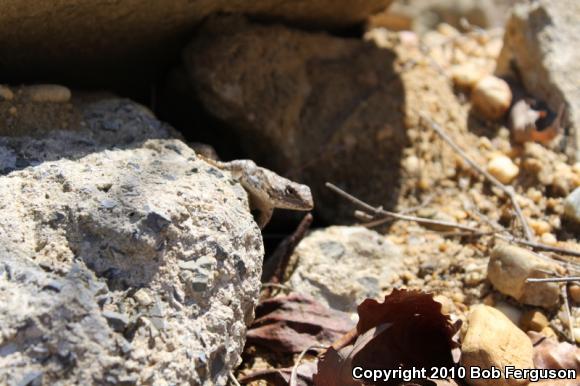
<point x="491" y="339"/>
<point x="491" y="97"/>
<point x="510" y="266"/>
<point x="502" y="168"/>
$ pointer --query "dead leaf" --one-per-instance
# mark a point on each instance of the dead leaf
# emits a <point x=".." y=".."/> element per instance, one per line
<point x="290" y="324"/>
<point x="406" y="330"/>
<point x="551" y="354"/>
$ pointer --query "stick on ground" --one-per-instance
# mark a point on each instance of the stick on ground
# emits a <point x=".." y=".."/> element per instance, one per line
<point x="382" y="212"/>
<point x="508" y="190"/>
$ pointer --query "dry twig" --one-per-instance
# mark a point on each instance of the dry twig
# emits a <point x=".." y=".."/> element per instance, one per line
<point x="233" y="379"/>
<point x="508" y="190"/>
<point x="568" y="313"/>
<point x="294" y="374"/>
<point x="475" y="231"/>
<point x="398" y="216"/>
<point x="553" y="279"/>
<point x="275" y="269"/>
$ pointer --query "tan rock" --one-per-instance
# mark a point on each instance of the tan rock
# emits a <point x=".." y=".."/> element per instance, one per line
<point x="5" y="93"/>
<point x="574" y="291"/>
<point x="47" y="93"/>
<point x="492" y="340"/>
<point x="533" y="320"/>
<point x="502" y="168"/>
<point x="510" y="266"/>
<point x="491" y="97"/>
<point x="466" y="75"/>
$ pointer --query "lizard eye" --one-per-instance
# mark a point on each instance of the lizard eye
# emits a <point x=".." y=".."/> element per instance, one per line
<point x="290" y="190"/>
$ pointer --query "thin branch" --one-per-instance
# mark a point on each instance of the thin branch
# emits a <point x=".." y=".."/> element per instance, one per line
<point x="542" y="247"/>
<point x="398" y="216"/>
<point x="275" y="268"/>
<point x="294" y="374"/>
<point x="233" y="379"/>
<point x="475" y="231"/>
<point x="508" y="190"/>
<point x="568" y="314"/>
<point x="374" y="222"/>
<point x="553" y="279"/>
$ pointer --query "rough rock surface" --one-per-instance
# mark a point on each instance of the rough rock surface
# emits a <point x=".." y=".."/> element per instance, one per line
<point x="311" y="106"/>
<point x="493" y="340"/>
<point x="125" y="266"/>
<point x="88" y="123"/>
<point x="341" y="266"/>
<point x="107" y="36"/>
<point x="537" y="43"/>
<point x="510" y="266"/>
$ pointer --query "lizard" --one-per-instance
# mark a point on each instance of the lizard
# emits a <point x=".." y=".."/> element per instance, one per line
<point x="266" y="189"/>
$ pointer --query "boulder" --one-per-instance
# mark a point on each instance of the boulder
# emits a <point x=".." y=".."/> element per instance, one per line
<point x="537" y="44"/>
<point x="123" y="260"/>
<point x="341" y="266"/>
<point x="82" y="39"/>
<point x="309" y="105"/>
<point x="492" y="340"/>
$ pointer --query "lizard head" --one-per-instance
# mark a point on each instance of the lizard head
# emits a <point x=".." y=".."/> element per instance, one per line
<point x="291" y="195"/>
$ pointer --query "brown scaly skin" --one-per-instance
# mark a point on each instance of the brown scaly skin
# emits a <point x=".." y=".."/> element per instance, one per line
<point x="266" y="189"/>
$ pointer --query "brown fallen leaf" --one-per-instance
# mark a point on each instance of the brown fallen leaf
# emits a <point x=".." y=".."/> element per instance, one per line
<point x="290" y="324"/>
<point x="406" y="331"/>
<point x="551" y="354"/>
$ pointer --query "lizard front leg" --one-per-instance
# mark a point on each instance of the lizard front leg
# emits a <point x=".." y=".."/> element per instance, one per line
<point x="264" y="215"/>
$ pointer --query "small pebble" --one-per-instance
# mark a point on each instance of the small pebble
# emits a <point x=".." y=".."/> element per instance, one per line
<point x="13" y="111"/>
<point x="502" y="168"/>
<point x="143" y="297"/>
<point x="47" y="93"/>
<point x="540" y="227"/>
<point x="6" y="94"/>
<point x="491" y="97"/>
<point x="533" y="320"/>
<point x="574" y="291"/>
<point x="549" y="239"/>
<point x="466" y="75"/>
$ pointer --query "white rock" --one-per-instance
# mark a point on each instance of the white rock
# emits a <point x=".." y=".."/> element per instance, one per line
<point x="510" y="266"/>
<point x="503" y="168"/>
<point x="492" y="340"/>
<point x="491" y="97"/>
<point x="341" y="266"/>
<point x="572" y="206"/>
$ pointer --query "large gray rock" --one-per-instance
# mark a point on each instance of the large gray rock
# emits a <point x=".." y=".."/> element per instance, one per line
<point x="83" y="38"/>
<point x="314" y="107"/>
<point x="32" y="132"/>
<point x="125" y="266"/>
<point x="341" y="266"/>
<point x="540" y="42"/>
